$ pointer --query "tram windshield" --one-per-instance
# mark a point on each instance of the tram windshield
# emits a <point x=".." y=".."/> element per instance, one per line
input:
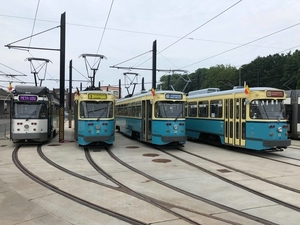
<point x="267" y="109"/>
<point x="27" y="111"/>
<point x="92" y="109"/>
<point x="169" y="109"/>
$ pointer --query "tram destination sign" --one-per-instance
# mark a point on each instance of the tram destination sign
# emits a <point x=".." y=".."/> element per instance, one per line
<point x="173" y="96"/>
<point x="28" y="98"/>
<point x="275" y="94"/>
<point x="97" y="96"/>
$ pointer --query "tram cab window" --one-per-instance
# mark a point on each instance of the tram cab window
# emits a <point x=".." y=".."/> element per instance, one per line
<point x="169" y="109"/>
<point x="24" y="110"/>
<point x="267" y="109"/>
<point x="91" y="109"/>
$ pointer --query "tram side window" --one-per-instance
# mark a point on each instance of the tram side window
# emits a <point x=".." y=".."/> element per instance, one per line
<point x="133" y="109"/>
<point x="230" y="108"/>
<point x="298" y="118"/>
<point x="110" y="110"/>
<point x="216" y="109"/>
<point x="138" y="109"/>
<point x="82" y="109"/>
<point x="120" y="110"/>
<point x="43" y="111"/>
<point x="129" y="111"/>
<point x="237" y="109"/>
<point x="243" y="108"/>
<point x="124" y="110"/>
<point x="203" y="109"/>
<point x="254" y="111"/>
<point x="192" y="109"/>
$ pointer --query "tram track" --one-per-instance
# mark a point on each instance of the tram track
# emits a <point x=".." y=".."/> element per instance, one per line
<point x="256" y="153"/>
<point x="189" y="194"/>
<point x="237" y="170"/>
<point x="280" y="202"/>
<point x="160" y="204"/>
<point x="122" y="188"/>
<point x="70" y="196"/>
<point x="265" y="154"/>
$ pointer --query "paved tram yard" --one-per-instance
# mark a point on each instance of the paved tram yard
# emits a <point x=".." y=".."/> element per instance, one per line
<point x="133" y="183"/>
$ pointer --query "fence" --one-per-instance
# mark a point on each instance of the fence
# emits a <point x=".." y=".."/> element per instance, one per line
<point x="4" y="130"/>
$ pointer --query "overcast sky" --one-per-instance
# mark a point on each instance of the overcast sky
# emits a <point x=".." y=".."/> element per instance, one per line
<point x="190" y="34"/>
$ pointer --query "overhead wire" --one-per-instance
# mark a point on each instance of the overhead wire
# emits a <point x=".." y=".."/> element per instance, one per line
<point x="36" y="11"/>
<point x="12" y="69"/>
<point x="136" y="32"/>
<point x="289" y="49"/>
<point x="200" y="26"/>
<point x="112" y="2"/>
<point x="184" y="37"/>
<point x="219" y="14"/>
<point x="229" y="50"/>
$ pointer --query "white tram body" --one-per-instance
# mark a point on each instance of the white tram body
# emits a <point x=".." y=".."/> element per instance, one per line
<point x="34" y="114"/>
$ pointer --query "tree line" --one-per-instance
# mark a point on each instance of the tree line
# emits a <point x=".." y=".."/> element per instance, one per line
<point x="278" y="71"/>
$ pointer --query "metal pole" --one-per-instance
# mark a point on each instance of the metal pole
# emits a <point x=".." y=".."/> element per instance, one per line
<point x="70" y="94"/>
<point x="120" y="94"/>
<point x="154" y="65"/>
<point x="62" y="75"/>
<point x="240" y="76"/>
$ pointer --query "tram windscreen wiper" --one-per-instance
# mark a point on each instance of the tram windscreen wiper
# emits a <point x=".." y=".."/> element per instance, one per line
<point x="164" y="109"/>
<point x="30" y="115"/>
<point x="263" y="106"/>
<point x="104" y="110"/>
<point x="280" y="112"/>
<point x="178" y="115"/>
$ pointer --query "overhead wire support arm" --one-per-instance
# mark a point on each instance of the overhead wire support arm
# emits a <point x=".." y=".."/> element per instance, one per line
<point x="10" y="45"/>
<point x="139" y="68"/>
<point x="12" y="75"/>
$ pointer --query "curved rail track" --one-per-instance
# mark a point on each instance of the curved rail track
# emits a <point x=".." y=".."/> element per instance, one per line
<point x="197" y="197"/>
<point x="296" y="208"/>
<point x="55" y="189"/>
<point x="165" y="206"/>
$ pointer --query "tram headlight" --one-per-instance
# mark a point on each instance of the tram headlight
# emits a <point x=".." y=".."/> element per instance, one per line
<point x="175" y="127"/>
<point x="98" y="127"/>
<point x="279" y="129"/>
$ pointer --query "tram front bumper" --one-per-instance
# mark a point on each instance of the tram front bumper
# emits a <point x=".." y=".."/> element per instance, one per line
<point x="174" y="138"/>
<point x="96" y="138"/>
<point x="277" y="143"/>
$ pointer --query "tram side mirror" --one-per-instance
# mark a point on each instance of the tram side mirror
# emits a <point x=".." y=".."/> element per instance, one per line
<point x="5" y="106"/>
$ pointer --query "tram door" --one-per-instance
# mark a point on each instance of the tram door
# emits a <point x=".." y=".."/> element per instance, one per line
<point x="147" y="121"/>
<point x="235" y="122"/>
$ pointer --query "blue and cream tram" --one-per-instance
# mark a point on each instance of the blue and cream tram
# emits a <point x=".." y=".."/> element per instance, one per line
<point x="94" y="118"/>
<point x="34" y="114"/>
<point x="254" y="120"/>
<point x="153" y="117"/>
